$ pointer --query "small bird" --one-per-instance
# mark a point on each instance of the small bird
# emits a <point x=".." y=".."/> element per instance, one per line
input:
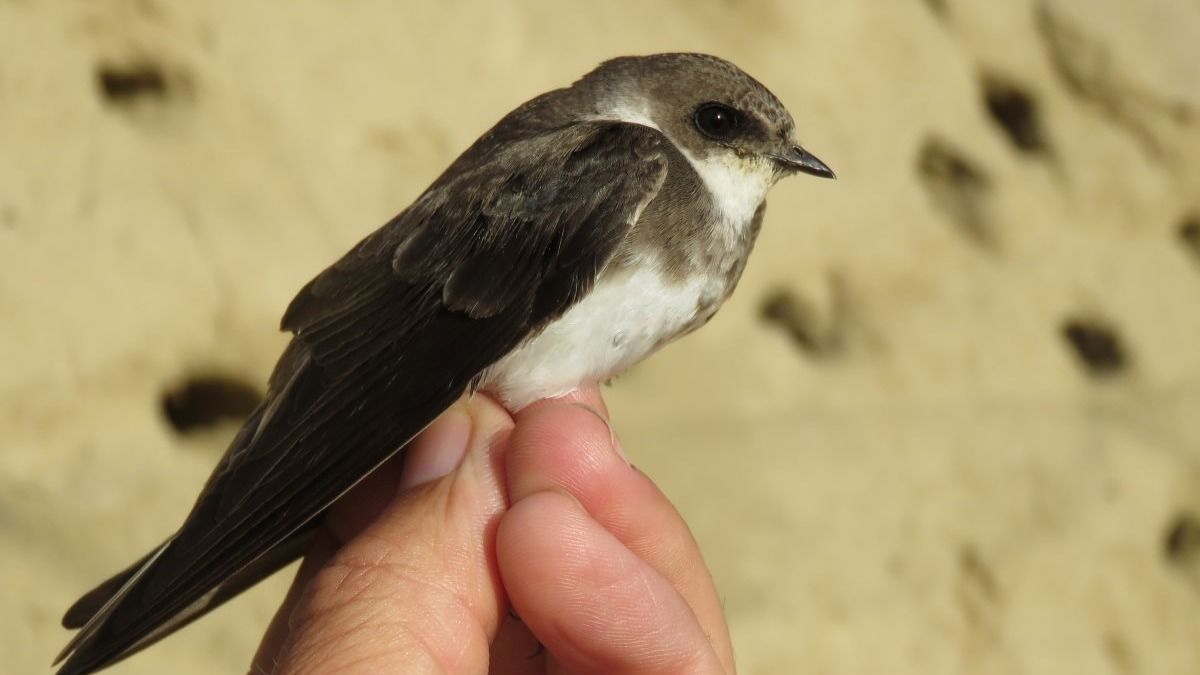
<point x="589" y="227"/>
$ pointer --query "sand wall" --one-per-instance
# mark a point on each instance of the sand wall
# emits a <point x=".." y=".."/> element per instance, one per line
<point x="949" y="423"/>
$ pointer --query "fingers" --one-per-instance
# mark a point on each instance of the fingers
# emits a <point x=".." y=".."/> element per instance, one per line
<point x="559" y="448"/>
<point x="267" y="657"/>
<point x="595" y="559"/>
<point x="413" y="583"/>
<point x="431" y="454"/>
<point x="595" y="605"/>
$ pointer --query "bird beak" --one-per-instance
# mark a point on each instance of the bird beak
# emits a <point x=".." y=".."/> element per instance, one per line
<point x="799" y="159"/>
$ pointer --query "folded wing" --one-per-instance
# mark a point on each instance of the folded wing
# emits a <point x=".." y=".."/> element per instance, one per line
<point x="513" y="234"/>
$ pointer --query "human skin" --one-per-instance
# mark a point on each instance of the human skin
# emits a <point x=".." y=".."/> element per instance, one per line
<point x="426" y="565"/>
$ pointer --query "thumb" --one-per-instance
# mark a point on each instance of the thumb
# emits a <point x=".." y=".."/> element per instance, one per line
<point x="415" y="585"/>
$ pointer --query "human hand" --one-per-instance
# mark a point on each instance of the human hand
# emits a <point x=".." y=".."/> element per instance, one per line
<point x="419" y="568"/>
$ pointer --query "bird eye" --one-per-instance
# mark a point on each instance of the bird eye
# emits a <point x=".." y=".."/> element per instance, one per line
<point x="717" y="121"/>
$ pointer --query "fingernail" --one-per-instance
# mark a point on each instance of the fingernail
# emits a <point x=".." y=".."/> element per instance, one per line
<point x="439" y="449"/>
<point x="613" y="441"/>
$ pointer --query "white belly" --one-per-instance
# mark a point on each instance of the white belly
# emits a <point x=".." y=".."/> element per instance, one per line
<point x="626" y="316"/>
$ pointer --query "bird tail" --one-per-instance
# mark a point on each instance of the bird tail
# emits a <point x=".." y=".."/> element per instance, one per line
<point x="85" y="655"/>
<point x="94" y="600"/>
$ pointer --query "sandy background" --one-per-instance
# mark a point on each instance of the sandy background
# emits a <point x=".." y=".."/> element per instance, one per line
<point x="949" y="423"/>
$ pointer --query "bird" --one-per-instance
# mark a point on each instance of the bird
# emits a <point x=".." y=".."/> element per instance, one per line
<point x="589" y="227"/>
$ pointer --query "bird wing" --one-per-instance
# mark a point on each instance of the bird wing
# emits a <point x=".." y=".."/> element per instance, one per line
<point x="514" y="233"/>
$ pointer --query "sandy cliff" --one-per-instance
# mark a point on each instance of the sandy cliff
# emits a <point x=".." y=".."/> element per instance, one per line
<point x="949" y="423"/>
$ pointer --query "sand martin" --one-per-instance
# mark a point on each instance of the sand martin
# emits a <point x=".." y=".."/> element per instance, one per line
<point x="589" y="227"/>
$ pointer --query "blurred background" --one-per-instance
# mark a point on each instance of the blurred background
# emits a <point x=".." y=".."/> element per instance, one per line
<point x="949" y="422"/>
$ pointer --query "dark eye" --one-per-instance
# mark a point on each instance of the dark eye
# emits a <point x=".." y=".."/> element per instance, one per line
<point x="717" y="121"/>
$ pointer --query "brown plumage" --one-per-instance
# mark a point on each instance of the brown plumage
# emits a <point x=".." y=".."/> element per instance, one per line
<point x="514" y="246"/>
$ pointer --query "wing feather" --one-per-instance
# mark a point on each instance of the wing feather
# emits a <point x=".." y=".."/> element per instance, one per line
<point x="384" y="340"/>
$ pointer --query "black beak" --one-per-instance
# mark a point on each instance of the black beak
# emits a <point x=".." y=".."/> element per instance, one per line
<point x="799" y="159"/>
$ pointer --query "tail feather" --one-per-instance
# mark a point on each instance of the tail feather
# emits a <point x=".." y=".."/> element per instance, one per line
<point x="83" y="637"/>
<point x="86" y="655"/>
<point x="86" y="607"/>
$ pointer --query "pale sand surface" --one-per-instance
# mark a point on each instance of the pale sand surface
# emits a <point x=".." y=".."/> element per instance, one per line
<point x="926" y="479"/>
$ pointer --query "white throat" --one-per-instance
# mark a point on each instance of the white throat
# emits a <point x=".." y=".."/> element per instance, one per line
<point x="738" y="185"/>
